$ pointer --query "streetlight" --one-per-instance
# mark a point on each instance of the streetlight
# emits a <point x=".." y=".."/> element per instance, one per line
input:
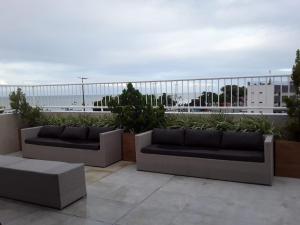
<point x="82" y="88"/>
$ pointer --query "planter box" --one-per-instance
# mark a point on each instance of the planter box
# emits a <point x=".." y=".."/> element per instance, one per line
<point x="287" y="158"/>
<point x="129" y="147"/>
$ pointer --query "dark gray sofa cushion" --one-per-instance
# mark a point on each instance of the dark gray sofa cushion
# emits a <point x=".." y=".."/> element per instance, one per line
<point x="76" y="133"/>
<point x="200" y="152"/>
<point x="243" y="141"/>
<point x="168" y="136"/>
<point x="51" y="131"/>
<point x="55" y="142"/>
<point x="95" y="131"/>
<point x="203" y="138"/>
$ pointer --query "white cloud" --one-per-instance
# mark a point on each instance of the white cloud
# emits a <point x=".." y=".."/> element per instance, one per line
<point x="44" y="41"/>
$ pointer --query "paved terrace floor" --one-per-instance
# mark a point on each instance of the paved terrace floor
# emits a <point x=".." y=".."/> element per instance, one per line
<point x="121" y="195"/>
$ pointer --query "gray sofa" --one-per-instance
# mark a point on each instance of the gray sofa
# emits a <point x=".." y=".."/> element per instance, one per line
<point x="94" y="146"/>
<point x="47" y="183"/>
<point x="242" y="157"/>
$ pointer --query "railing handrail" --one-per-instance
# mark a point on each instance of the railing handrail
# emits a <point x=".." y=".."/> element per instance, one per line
<point x="262" y="92"/>
<point x="149" y="81"/>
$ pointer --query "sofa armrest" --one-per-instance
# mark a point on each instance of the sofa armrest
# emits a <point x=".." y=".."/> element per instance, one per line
<point x="31" y="132"/>
<point x="142" y="140"/>
<point x="111" y="145"/>
<point x="268" y="148"/>
<point x="269" y="155"/>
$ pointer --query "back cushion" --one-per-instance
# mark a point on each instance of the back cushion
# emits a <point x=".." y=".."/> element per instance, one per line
<point x="51" y="131"/>
<point x="78" y="133"/>
<point x="203" y="138"/>
<point x="95" y="131"/>
<point x="243" y="141"/>
<point x="168" y="136"/>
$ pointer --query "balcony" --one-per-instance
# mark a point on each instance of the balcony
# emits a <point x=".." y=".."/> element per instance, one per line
<point x="121" y="195"/>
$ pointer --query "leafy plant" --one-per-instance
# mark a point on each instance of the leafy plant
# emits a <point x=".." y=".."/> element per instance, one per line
<point x="30" y="115"/>
<point x="132" y="112"/>
<point x="224" y="123"/>
<point x="293" y="102"/>
<point x="106" y="120"/>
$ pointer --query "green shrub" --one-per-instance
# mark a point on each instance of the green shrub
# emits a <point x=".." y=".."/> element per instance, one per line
<point x="106" y="120"/>
<point x="293" y="102"/>
<point x="30" y="115"/>
<point x="132" y="112"/>
<point x="223" y="123"/>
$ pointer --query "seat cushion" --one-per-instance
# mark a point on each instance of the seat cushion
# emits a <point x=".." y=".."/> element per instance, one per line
<point x="95" y="131"/>
<point x="168" y="136"/>
<point x="243" y="141"/>
<point x="203" y="138"/>
<point x="55" y="142"/>
<point x="51" y="131"/>
<point x="209" y="153"/>
<point x="75" y="133"/>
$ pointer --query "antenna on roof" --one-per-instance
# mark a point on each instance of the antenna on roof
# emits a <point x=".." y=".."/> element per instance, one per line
<point x="82" y="88"/>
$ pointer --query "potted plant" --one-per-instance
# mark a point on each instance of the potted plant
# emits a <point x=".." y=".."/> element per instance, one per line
<point x="134" y="116"/>
<point x="30" y="116"/>
<point x="287" y="151"/>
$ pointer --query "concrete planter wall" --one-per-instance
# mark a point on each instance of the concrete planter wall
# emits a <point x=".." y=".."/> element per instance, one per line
<point x="287" y="158"/>
<point x="10" y="125"/>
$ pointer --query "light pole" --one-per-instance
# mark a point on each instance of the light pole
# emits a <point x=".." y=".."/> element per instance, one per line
<point x="82" y="88"/>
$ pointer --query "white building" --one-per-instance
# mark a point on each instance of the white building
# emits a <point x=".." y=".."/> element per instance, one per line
<point x="261" y="98"/>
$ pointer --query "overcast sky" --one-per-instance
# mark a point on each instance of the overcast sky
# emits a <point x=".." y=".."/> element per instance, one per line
<point x="54" y="41"/>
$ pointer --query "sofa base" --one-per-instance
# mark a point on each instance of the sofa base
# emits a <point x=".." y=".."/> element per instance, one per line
<point x="88" y="157"/>
<point x="247" y="172"/>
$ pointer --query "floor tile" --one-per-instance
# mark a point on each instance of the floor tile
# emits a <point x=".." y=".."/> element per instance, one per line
<point x="146" y="216"/>
<point x="99" y="209"/>
<point x="125" y="193"/>
<point x="10" y="210"/>
<point x="165" y="200"/>
<point x="52" y="218"/>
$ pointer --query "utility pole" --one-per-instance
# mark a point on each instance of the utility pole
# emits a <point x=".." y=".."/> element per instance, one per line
<point x="82" y="88"/>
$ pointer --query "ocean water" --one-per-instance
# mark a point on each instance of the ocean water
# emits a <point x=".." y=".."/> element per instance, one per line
<point x="75" y="101"/>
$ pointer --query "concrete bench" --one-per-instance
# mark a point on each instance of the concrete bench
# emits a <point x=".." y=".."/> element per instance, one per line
<point x="47" y="183"/>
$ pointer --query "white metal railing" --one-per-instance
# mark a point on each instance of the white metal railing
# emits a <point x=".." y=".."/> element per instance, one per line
<point x="226" y="94"/>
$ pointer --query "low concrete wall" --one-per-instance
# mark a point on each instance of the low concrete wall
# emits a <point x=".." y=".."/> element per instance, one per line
<point x="9" y="133"/>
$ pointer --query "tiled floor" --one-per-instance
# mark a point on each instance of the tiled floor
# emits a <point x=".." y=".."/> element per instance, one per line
<point x="121" y="195"/>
